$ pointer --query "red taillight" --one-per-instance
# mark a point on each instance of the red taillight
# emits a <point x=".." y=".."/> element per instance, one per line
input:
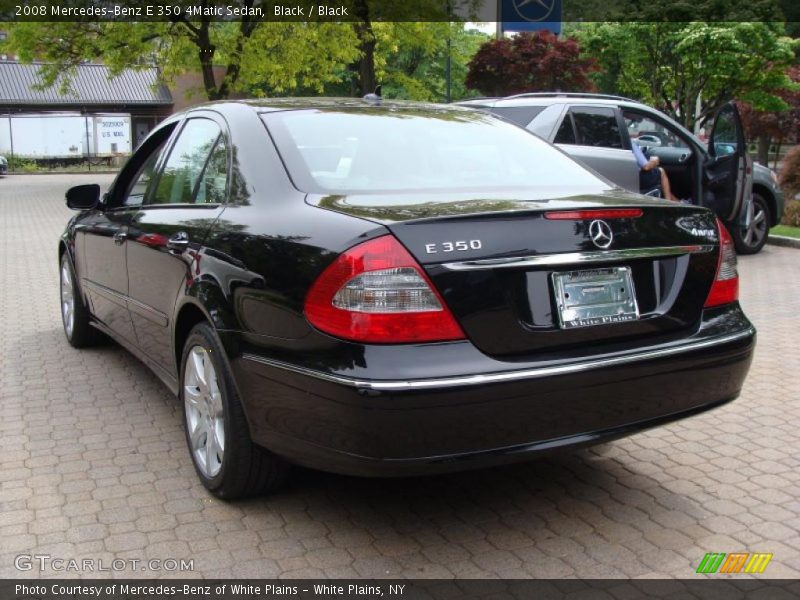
<point x="726" y="280"/>
<point x="376" y="292"/>
<point x="579" y="215"/>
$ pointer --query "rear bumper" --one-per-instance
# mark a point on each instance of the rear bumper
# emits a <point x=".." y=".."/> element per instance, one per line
<point x="391" y="427"/>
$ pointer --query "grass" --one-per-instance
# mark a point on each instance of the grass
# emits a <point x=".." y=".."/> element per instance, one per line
<point x="786" y="231"/>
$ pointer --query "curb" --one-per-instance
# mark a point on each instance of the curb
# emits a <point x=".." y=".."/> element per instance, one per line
<point x="786" y="242"/>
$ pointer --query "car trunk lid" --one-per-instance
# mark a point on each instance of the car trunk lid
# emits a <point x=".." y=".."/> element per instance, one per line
<point x="523" y="277"/>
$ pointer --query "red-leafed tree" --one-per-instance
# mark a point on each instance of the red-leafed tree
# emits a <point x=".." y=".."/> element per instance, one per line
<point x="530" y="62"/>
<point x="775" y="126"/>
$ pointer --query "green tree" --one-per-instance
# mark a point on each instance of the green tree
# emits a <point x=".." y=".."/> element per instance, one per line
<point x="672" y="65"/>
<point x="412" y="59"/>
<point x="409" y="61"/>
<point x="675" y="11"/>
<point x="376" y="18"/>
<point x="257" y="56"/>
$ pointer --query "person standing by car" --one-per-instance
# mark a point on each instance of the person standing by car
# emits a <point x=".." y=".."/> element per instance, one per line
<point x="651" y="176"/>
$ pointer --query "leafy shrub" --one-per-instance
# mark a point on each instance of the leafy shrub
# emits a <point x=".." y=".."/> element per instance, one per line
<point x="22" y="165"/>
<point x="790" y="173"/>
<point x="791" y="214"/>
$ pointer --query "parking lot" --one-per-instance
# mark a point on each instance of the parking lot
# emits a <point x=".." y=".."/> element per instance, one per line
<point x="94" y="463"/>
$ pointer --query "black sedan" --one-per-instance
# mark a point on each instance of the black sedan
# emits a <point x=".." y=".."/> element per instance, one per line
<point x="388" y="289"/>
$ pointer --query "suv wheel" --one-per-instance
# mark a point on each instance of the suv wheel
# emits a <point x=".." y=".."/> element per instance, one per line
<point x="750" y="240"/>
<point x="228" y="463"/>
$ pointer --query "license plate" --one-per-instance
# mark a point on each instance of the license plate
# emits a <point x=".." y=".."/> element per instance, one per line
<point x="595" y="297"/>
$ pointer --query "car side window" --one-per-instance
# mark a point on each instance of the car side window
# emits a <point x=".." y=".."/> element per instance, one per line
<point x="214" y="181"/>
<point x="138" y="175"/>
<point x="521" y="115"/>
<point x="187" y="160"/>
<point x="141" y="181"/>
<point x="649" y="133"/>
<point x="597" y="126"/>
<point x="566" y="132"/>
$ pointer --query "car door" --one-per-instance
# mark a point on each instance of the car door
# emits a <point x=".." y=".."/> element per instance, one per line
<point x="168" y="230"/>
<point x="728" y="172"/>
<point x="102" y="239"/>
<point x="593" y="136"/>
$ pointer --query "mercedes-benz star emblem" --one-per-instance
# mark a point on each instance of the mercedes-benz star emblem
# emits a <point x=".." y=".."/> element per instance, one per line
<point x="534" y="10"/>
<point x="601" y="233"/>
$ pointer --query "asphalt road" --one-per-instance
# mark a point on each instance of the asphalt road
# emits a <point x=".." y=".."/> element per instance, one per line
<point x="93" y="464"/>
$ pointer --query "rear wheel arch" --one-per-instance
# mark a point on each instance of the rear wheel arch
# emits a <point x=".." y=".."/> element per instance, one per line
<point x="203" y="302"/>
<point x="767" y="195"/>
<point x="189" y="315"/>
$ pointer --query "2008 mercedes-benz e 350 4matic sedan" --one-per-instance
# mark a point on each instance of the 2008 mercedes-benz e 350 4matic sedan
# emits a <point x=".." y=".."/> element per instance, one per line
<point x="390" y="289"/>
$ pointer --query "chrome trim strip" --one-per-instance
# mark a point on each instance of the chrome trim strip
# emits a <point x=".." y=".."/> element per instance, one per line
<point x="105" y="292"/>
<point x="148" y="312"/>
<point x="576" y="258"/>
<point x="138" y="307"/>
<point x="467" y="380"/>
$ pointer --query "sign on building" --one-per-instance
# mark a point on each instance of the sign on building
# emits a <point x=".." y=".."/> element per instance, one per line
<point x="531" y="15"/>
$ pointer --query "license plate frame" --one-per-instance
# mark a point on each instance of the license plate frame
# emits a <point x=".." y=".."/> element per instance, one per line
<point x="592" y="297"/>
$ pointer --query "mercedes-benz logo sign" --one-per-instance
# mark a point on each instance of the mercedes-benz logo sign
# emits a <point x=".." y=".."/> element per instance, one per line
<point x="534" y="10"/>
<point x="601" y="233"/>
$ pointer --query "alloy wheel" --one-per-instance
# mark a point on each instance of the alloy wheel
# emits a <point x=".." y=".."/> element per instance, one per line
<point x="67" y="299"/>
<point x="755" y="233"/>
<point x="205" y="416"/>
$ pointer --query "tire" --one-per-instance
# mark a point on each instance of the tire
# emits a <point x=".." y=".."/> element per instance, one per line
<point x="750" y="240"/>
<point x="74" y="314"/>
<point x="226" y="460"/>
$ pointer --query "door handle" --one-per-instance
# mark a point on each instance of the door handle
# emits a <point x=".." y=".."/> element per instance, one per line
<point x="120" y="237"/>
<point x="179" y="241"/>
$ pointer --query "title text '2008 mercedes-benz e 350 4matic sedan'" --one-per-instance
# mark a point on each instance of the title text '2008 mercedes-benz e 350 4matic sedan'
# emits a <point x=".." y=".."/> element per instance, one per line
<point x="387" y="289"/>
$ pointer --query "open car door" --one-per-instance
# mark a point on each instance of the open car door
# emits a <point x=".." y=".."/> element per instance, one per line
<point x="728" y="173"/>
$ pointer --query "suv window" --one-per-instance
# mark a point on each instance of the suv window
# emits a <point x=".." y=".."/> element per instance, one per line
<point x="596" y="126"/>
<point x="566" y="133"/>
<point x="647" y="132"/>
<point x="186" y="163"/>
<point x="521" y="115"/>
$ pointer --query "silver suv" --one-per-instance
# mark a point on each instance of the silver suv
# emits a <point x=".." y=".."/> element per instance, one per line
<point x="597" y="130"/>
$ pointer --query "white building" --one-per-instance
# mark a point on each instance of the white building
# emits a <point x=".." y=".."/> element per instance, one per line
<point x="99" y="116"/>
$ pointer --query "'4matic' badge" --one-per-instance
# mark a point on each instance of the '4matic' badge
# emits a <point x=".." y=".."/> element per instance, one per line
<point x="698" y="225"/>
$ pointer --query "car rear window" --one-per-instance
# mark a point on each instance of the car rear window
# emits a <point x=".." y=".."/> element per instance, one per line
<point x="382" y="149"/>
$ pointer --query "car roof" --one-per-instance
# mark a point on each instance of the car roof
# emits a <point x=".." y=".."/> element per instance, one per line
<point x="549" y="98"/>
<point x="279" y="104"/>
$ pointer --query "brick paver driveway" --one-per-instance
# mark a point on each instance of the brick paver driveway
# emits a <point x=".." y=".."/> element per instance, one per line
<point x="94" y="463"/>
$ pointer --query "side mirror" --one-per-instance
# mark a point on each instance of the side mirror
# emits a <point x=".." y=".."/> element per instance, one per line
<point x="83" y="197"/>
<point x="724" y="149"/>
